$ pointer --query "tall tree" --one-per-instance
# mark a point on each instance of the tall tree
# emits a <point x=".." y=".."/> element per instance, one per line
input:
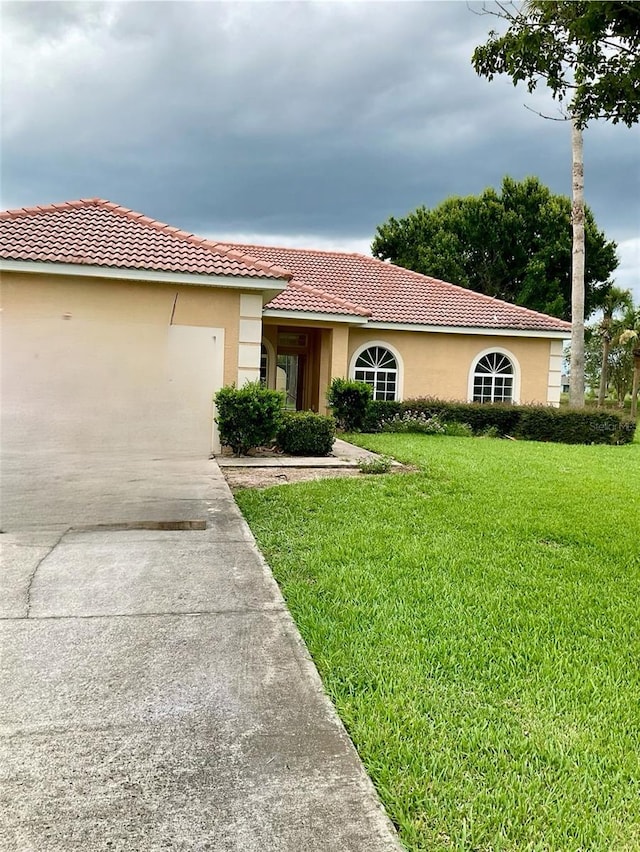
<point x="576" y="378"/>
<point x="588" y="54"/>
<point x="514" y="244"/>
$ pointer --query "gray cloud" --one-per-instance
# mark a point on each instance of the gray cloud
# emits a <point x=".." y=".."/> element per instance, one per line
<point x="279" y="118"/>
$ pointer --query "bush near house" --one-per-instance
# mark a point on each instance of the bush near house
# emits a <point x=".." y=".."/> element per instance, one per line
<point x="414" y="423"/>
<point x="304" y="433"/>
<point x="527" y="422"/>
<point x="248" y="417"/>
<point x="576" y="427"/>
<point x="349" y="402"/>
<point x="379" y="410"/>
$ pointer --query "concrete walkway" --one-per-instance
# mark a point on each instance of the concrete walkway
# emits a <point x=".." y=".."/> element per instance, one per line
<point x="343" y="454"/>
<point x="154" y="692"/>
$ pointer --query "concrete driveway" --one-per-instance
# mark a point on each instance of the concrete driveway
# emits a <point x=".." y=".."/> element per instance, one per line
<point x="154" y="691"/>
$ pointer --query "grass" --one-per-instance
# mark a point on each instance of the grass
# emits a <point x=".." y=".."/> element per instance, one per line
<point x="477" y="625"/>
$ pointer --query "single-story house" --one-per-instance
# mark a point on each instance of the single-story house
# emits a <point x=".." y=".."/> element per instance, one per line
<point x="118" y="329"/>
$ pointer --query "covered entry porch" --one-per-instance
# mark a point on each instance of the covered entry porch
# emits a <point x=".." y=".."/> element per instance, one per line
<point x="301" y="358"/>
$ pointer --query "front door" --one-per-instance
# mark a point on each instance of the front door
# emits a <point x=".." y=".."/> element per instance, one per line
<point x="290" y="379"/>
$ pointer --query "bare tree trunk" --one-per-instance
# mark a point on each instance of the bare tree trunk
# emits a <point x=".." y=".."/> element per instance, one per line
<point x="604" y="370"/>
<point x="576" y="384"/>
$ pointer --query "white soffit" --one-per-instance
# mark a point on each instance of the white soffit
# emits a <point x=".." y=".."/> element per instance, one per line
<point x="352" y="319"/>
<point x="454" y="329"/>
<point x="315" y="316"/>
<point x="236" y="282"/>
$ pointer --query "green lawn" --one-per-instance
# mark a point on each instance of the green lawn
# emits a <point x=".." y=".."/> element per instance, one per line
<point x="477" y="625"/>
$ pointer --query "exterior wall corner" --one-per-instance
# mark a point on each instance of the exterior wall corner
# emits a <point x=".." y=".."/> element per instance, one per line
<point x="249" y="338"/>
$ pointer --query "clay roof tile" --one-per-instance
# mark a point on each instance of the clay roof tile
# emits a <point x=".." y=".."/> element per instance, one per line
<point x="390" y="293"/>
<point x="95" y="231"/>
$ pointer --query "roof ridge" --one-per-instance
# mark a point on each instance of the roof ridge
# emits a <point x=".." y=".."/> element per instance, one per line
<point x="163" y="227"/>
<point x="21" y="212"/>
<point x="228" y="251"/>
<point x="359" y="310"/>
<point x="186" y="236"/>
<point x="303" y="250"/>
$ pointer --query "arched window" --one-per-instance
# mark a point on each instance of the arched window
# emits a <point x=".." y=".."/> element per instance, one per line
<point x="493" y="378"/>
<point x="378" y="367"/>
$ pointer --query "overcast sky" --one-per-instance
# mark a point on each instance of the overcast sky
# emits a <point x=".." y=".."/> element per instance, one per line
<point x="295" y="123"/>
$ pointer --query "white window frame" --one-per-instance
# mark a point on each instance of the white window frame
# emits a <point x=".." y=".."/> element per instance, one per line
<point x="516" y="371"/>
<point x="383" y="344"/>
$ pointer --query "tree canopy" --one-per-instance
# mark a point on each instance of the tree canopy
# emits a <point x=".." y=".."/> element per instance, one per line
<point x="587" y="52"/>
<point x="514" y="245"/>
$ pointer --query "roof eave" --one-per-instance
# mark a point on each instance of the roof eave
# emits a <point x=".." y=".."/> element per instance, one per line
<point x="157" y="276"/>
<point x="315" y="316"/>
<point x="557" y="334"/>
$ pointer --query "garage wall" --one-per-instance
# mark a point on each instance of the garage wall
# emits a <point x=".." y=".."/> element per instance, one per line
<point x="105" y="365"/>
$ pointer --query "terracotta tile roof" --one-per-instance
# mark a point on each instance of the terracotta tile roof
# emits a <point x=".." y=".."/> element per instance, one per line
<point x="308" y="298"/>
<point x="99" y="233"/>
<point x="392" y="294"/>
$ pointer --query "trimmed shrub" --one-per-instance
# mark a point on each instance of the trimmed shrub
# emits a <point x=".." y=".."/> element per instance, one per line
<point x="248" y="417"/>
<point x="528" y="422"/>
<point x="348" y="402"/>
<point x="573" y="426"/>
<point x="304" y="433"/>
<point x="378" y="411"/>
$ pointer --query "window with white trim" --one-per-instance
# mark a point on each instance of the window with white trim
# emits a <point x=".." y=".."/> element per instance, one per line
<point x="378" y="367"/>
<point x="493" y="378"/>
<point x="264" y="366"/>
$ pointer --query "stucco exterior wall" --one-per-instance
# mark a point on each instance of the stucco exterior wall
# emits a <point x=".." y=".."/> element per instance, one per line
<point x="103" y="364"/>
<point x="434" y="363"/>
<point x="437" y="364"/>
<point x="196" y="306"/>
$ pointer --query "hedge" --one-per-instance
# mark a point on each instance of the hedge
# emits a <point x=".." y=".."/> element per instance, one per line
<point x="572" y="426"/>
<point x="527" y="422"/>
<point x="303" y="433"/>
<point x="377" y="411"/>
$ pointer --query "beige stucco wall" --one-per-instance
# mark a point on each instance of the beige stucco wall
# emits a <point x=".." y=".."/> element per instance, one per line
<point x="437" y="364"/>
<point x="90" y="363"/>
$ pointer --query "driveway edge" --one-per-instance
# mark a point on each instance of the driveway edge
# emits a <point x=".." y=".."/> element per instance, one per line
<point x="374" y="807"/>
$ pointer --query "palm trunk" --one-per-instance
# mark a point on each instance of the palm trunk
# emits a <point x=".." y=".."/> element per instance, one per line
<point x="636" y="384"/>
<point x="604" y="370"/>
<point x="576" y="385"/>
